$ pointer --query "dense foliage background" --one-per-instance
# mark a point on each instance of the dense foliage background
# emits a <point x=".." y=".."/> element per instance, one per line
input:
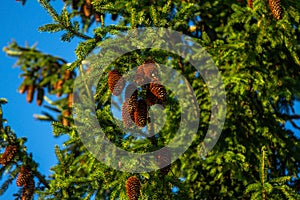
<point x="255" y="46"/>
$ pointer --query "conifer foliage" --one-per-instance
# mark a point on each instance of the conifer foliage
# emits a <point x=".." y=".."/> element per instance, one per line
<point x="257" y="155"/>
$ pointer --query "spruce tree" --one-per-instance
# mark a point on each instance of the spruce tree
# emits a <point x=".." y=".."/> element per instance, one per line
<point x="255" y="47"/>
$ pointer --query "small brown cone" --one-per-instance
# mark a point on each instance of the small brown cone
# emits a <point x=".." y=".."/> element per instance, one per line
<point x="131" y="90"/>
<point x="250" y="4"/>
<point x="24" y="176"/>
<point x="158" y="90"/>
<point x="133" y="187"/>
<point x="140" y="77"/>
<point x="70" y="99"/>
<point x="87" y="8"/>
<point x="141" y="113"/>
<point x="150" y="70"/>
<point x="40" y="96"/>
<point x="23" y="88"/>
<point x="131" y="96"/>
<point x="97" y="17"/>
<point x="146" y="73"/>
<point x="67" y="74"/>
<point x="65" y="115"/>
<point x="127" y="116"/>
<point x="30" y="93"/>
<point x="28" y="189"/>
<point x="116" y="82"/>
<point x="275" y="6"/>
<point x="8" y="154"/>
<point x="151" y="99"/>
<point x="58" y="87"/>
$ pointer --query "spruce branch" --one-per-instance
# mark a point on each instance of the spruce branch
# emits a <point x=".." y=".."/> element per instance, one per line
<point x="63" y="20"/>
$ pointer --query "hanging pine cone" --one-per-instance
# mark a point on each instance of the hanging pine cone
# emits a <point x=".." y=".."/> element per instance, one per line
<point x="131" y="90"/>
<point x="250" y="4"/>
<point x="151" y="99"/>
<point x="140" y="78"/>
<point x="24" y="176"/>
<point x="127" y="116"/>
<point x="70" y="99"/>
<point x="58" y="87"/>
<point x="150" y="70"/>
<point x="275" y="6"/>
<point x="8" y="154"/>
<point x="97" y="17"/>
<point x="146" y="73"/>
<point x="65" y="121"/>
<point x="141" y="113"/>
<point x="158" y="90"/>
<point x="30" y="93"/>
<point x="115" y="82"/>
<point x="87" y="8"/>
<point x="68" y="74"/>
<point x="28" y="189"/>
<point x="40" y="96"/>
<point x="133" y="187"/>
<point x="164" y="161"/>
<point x="131" y="96"/>
<point x="23" y="88"/>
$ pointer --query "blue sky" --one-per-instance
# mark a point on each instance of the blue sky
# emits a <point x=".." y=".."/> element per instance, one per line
<point x="20" y="23"/>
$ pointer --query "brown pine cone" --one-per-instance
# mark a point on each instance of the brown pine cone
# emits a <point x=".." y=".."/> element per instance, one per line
<point x="151" y="99"/>
<point x="140" y="78"/>
<point x="146" y="73"/>
<point x="141" y="113"/>
<point x="23" y="88"/>
<point x="133" y="187"/>
<point x="150" y="70"/>
<point x="40" y="96"/>
<point x="250" y="4"/>
<point x="97" y="17"/>
<point x="65" y="115"/>
<point x="127" y="116"/>
<point x="58" y="87"/>
<point x="24" y="176"/>
<point x="8" y="154"/>
<point x="68" y="74"/>
<point x="30" y="93"/>
<point x="116" y="82"/>
<point x="158" y="90"/>
<point x="70" y="99"/>
<point x="87" y="8"/>
<point x="28" y="189"/>
<point x="275" y="6"/>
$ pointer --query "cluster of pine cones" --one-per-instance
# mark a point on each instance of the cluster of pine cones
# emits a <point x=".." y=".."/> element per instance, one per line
<point x="32" y="87"/>
<point x="25" y="180"/>
<point x="25" y="177"/>
<point x="137" y="102"/>
<point x="275" y="7"/>
<point x="56" y="87"/>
